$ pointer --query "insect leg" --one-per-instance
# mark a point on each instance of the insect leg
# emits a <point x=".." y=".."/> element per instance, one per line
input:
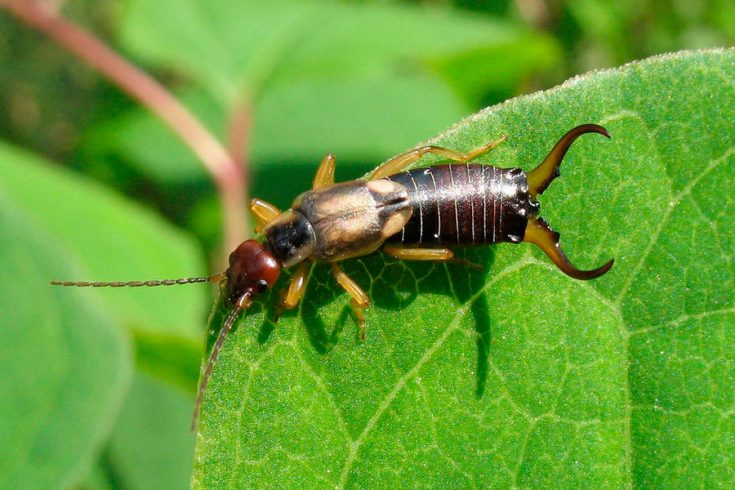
<point x="291" y="296"/>
<point x="360" y="299"/>
<point x="430" y="254"/>
<point x="438" y="254"/>
<point x="325" y="174"/>
<point x="399" y="162"/>
<point x="264" y="213"/>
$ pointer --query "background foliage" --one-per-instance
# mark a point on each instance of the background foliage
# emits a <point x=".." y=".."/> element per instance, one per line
<point x="101" y="385"/>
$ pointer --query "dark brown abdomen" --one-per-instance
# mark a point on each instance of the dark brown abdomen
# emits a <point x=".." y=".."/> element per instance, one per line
<point x="464" y="204"/>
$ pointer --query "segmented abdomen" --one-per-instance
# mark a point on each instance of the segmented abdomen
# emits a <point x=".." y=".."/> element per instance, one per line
<point x="464" y="204"/>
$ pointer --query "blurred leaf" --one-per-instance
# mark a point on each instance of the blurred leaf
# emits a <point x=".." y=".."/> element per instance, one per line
<point x="151" y="445"/>
<point x="114" y="239"/>
<point x="169" y="358"/>
<point x="616" y="32"/>
<point x="99" y="479"/>
<point x="365" y="118"/>
<point x="65" y="364"/>
<point x="606" y="23"/>
<point x="721" y="15"/>
<point x="498" y="69"/>
<point x="234" y="46"/>
<point x="355" y="119"/>
<point x="321" y="76"/>
<point x="518" y="376"/>
<point x="145" y="143"/>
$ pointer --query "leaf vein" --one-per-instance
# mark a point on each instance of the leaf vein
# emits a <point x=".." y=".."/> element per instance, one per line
<point x="673" y="204"/>
<point x="401" y="383"/>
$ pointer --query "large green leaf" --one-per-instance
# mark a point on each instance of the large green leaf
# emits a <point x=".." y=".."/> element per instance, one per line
<point x="519" y="375"/>
<point x="65" y="363"/>
<point x="317" y="76"/>
<point x="355" y="119"/>
<point x="67" y="366"/>
<point x="236" y="46"/>
<point x="151" y="445"/>
<point x="113" y="239"/>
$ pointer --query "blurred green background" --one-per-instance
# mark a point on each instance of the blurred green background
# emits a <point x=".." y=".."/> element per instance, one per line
<point x="118" y="196"/>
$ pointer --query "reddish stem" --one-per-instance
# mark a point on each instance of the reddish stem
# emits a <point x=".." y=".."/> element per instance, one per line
<point x="238" y="140"/>
<point x="225" y="170"/>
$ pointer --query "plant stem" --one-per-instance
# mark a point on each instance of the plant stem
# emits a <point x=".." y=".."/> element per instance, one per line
<point x="238" y="143"/>
<point x="225" y="169"/>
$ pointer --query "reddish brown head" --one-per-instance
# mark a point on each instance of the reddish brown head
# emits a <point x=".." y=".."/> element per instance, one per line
<point x="252" y="271"/>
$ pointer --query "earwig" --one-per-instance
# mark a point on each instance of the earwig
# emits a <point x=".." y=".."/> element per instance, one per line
<point x="418" y="214"/>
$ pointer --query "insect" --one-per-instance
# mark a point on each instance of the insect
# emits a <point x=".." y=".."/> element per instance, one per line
<point x="415" y="214"/>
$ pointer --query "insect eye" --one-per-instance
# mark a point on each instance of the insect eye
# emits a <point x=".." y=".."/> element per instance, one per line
<point x="262" y="286"/>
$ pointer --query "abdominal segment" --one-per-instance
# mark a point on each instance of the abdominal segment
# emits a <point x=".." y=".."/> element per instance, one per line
<point x="464" y="204"/>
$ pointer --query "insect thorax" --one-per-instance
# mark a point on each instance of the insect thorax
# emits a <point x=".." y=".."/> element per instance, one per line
<point x="353" y="218"/>
<point x="290" y="238"/>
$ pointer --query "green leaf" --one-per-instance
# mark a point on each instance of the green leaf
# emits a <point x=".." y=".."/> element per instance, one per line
<point x="112" y="239"/>
<point x="317" y="76"/>
<point x="65" y="363"/>
<point x="234" y="45"/>
<point x="518" y="375"/>
<point x="69" y="360"/>
<point x="151" y="445"/>
<point x="357" y="119"/>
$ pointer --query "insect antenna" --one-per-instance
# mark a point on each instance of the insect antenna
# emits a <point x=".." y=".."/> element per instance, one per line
<point x="241" y="304"/>
<point x="137" y="284"/>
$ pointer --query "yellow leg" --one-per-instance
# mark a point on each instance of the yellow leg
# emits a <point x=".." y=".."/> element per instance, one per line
<point x="399" y="162"/>
<point x="360" y="299"/>
<point x="264" y="213"/>
<point x="432" y="254"/>
<point x="438" y="254"/>
<point x="290" y="297"/>
<point x="325" y="174"/>
<point x="297" y="287"/>
<point x="360" y="316"/>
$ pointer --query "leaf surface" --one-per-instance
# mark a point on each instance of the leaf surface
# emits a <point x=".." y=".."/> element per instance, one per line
<point x="315" y="76"/>
<point x="151" y="446"/>
<point x="66" y="364"/>
<point x="518" y="375"/>
<point x="112" y="239"/>
<point x="68" y="357"/>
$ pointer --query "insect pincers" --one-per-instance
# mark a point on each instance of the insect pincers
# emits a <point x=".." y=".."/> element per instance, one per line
<point x="418" y="214"/>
